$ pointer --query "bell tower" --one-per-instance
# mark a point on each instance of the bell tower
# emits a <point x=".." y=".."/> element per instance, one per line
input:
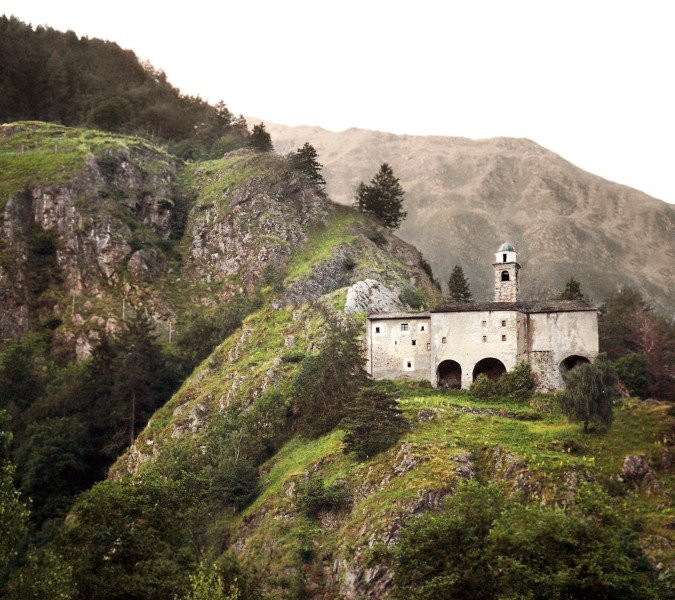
<point x="506" y="274"/>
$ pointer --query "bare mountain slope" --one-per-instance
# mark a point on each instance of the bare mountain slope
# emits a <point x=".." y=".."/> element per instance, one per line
<point x="464" y="197"/>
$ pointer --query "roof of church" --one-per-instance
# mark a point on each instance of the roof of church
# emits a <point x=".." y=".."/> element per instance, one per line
<point x="539" y="306"/>
<point x="399" y="315"/>
<point x="506" y="247"/>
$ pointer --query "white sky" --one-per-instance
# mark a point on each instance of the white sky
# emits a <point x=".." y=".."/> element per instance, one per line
<point x="592" y="80"/>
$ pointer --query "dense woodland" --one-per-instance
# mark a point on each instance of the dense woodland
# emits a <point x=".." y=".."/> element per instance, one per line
<point x="64" y="423"/>
<point x="54" y="76"/>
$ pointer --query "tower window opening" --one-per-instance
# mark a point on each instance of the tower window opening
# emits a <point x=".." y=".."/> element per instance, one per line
<point x="428" y="346"/>
<point x="377" y="330"/>
<point x="504" y="255"/>
<point x="503" y="338"/>
<point x="444" y="340"/>
<point x="414" y="342"/>
<point x="404" y="327"/>
<point x="484" y="323"/>
<point x="485" y="338"/>
<point x="505" y="275"/>
<point x="503" y="323"/>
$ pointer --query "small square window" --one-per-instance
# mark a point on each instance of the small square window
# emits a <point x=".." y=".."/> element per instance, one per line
<point x="423" y="328"/>
<point x="414" y="342"/>
<point x="503" y="323"/>
<point x="404" y="327"/>
<point x="377" y="330"/>
<point x="484" y="323"/>
<point x="444" y="340"/>
<point x="428" y="346"/>
<point x="503" y="338"/>
<point x="485" y="338"/>
<point x="408" y="364"/>
<point x="395" y="342"/>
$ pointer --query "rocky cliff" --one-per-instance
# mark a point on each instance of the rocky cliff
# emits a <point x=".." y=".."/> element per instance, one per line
<point x="109" y="222"/>
<point x="465" y="197"/>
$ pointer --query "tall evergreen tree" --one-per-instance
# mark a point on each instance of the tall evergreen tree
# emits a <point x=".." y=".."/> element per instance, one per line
<point x="305" y="160"/>
<point x="458" y="285"/>
<point x="260" y="139"/>
<point x="383" y="198"/>
<point x="572" y="291"/>
<point x="373" y="423"/>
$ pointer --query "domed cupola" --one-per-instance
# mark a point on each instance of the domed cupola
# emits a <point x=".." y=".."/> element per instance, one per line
<point x="506" y="267"/>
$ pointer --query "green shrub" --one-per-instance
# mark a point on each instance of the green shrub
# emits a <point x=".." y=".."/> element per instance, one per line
<point x="314" y="496"/>
<point x="488" y="547"/>
<point x="414" y="298"/>
<point x="633" y="371"/>
<point x="293" y="356"/>
<point x="483" y="387"/>
<point x="516" y="384"/>
<point x="589" y="395"/>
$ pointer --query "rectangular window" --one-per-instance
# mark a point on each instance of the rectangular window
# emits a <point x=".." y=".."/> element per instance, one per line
<point x="503" y="338"/>
<point x="423" y="328"/>
<point x="404" y="327"/>
<point x="414" y="342"/>
<point x="485" y="338"/>
<point x="408" y="364"/>
<point x="484" y="323"/>
<point x="503" y="323"/>
<point x="444" y="340"/>
<point x="504" y="257"/>
<point x="377" y="330"/>
<point x="428" y="346"/>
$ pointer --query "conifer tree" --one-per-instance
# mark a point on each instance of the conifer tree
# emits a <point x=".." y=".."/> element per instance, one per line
<point x="458" y="285"/>
<point x="383" y="198"/>
<point x="261" y="140"/>
<point x="572" y="291"/>
<point x="305" y="161"/>
<point x="373" y="423"/>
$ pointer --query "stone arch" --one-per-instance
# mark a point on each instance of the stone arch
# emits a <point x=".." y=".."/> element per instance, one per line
<point x="505" y="276"/>
<point x="449" y="375"/>
<point x="572" y="362"/>
<point x="492" y="367"/>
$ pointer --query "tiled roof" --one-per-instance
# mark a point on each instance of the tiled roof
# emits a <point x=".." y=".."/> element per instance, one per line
<point x="541" y="306"/>
<point x="399" y="315"/>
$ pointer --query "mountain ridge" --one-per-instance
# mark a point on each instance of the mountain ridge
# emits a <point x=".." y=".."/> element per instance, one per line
<point x="466" y="196"/>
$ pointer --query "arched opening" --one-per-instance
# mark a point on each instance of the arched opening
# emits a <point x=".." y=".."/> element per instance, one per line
<point x="505" y="275"/>
<point x="491" y="367"/>
<point x="449" y="375"/>
<point x="572" y="362"/>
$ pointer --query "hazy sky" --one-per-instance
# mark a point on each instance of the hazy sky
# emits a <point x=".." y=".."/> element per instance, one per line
<point x="591" y="80"/>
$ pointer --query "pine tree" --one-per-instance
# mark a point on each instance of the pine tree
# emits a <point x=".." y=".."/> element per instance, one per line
<point x="383" y="198"/>
<point x="260" y="140"/>
<point x="458" y="286"/>
<point x="305" y="161"/>
<point x="373" y="423"/>
<point x="590" y="393"/>
<point x="572" y="291"/>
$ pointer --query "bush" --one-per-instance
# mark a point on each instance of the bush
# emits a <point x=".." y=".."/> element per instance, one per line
<point x="377" y="237"/>
<point x="517" y="384"/>
<point x="591" y="390"/>
<point x="487" y="546"/>
<point x="314" y="496"/>
<point x="413" y="297"/>
<point x="483" y="387"/>
<point x="233" y="481"/>
<point x="373" y="423"/>
<point x="293" y="356"/>
<point x="633" y="371"/>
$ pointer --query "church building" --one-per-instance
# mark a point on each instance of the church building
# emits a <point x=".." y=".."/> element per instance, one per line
<point x="452" y="344"/>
